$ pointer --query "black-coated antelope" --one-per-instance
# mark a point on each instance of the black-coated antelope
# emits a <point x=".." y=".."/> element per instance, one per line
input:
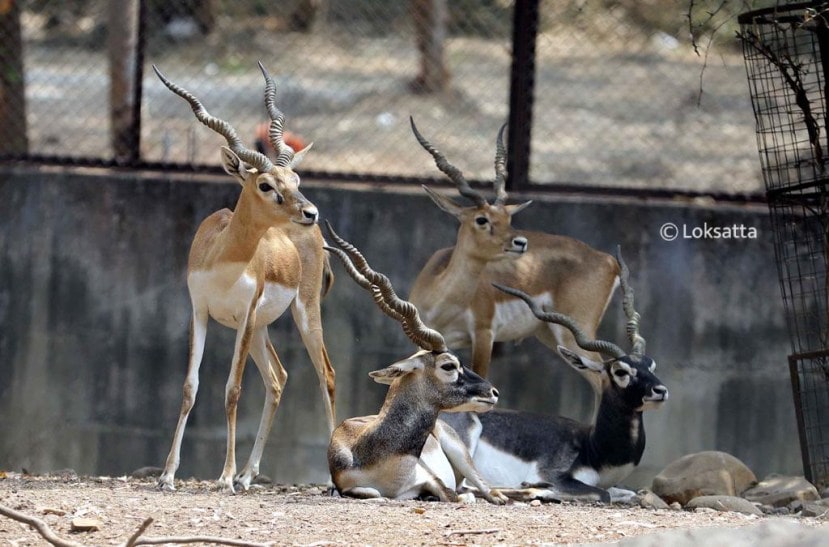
<point x="454" y="291"/>
<point x="404" y="452"/>
<point x="533" y="456"/>
<point x="246" y="267"/>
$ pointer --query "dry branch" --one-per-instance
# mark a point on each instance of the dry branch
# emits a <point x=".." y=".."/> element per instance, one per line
<point x="470" y="532"/>
<point x="49" y="535"/>
<point x="40" y="527"/>
<point x="791" y="71"/>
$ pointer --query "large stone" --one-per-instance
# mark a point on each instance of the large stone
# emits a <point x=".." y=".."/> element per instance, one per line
<point x="766" y="533"/>
<point x="780" y="491"/>
<point x="725" y="503"/>
<point x="709" y="473"/>
<point x="649" y="500"/>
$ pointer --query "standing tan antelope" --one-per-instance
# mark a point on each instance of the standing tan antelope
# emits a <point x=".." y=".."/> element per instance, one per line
<point x="533" y="456"/>
<point x="404" y="451"/>
<point x="454" y="290"/>
<point x="246" y="267"/>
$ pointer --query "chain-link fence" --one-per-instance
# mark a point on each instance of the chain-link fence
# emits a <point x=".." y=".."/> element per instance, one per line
<point x="620" y="96"/>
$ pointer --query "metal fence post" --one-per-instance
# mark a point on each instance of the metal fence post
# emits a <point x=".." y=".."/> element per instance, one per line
<point x="136" y="158"/>
<point x="522" y="87"/>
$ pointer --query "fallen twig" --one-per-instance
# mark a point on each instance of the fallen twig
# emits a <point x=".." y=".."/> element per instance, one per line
<point x="470" y="532"/>
<point x="41" y="527"/>
<point x="49" y="535"/>
<point x="141" y="529"/>
<point x="199" y="539"/>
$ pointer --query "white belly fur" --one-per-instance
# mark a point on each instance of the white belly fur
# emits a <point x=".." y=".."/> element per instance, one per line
<point x="606" y="477"/>
<point x="501" y="469"/>
<point x="230" y="305"/>
<point x="514" y="321"/>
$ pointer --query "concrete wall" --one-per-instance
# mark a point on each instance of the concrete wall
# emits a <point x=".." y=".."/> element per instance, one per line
<point x="94" y="316"/>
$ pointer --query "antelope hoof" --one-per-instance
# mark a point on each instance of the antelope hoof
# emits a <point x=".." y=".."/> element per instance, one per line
<point x="495" y="497"/>
<point x="225" y="484"/>
<point x="165" y="483"/>
<point x="466" y="497"/>
<point x="621" y="495"/>
<point x="243" y="481"/>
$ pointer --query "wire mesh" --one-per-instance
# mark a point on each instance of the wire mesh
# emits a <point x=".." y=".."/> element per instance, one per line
<point x="799" y="220"/>
<point x="622" y="98"/>
<point x="786" y="51"/>
<point x="810" y="378"/>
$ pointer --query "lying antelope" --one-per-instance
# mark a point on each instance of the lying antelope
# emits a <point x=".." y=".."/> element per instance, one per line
<point x="454" y="290"/>
<point x="404" y="451"/>
<point x="246" y="267"/>
<point x="532" y="456"/>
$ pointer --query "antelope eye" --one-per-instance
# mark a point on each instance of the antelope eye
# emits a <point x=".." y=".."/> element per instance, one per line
<point x="619" y="373"/>
<point x="448" y="367"/>
<point x="265" y="187"/>
<point x="480" y="221"/>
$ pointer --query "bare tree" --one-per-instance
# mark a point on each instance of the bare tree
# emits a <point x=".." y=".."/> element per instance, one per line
<point x="430" y="23"/>
<point x="12" y="86"/>
<point x="122" y="46"/>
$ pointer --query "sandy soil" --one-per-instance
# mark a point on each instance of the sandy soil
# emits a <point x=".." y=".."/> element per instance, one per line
<point x="306" y="515"/>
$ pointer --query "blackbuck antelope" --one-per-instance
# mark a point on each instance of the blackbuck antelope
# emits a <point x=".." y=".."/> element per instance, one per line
<point x="246" y="267"/>
<point x="454" y="290"/>
<point x="532" y="456"/>
<point x="404" y="451"/>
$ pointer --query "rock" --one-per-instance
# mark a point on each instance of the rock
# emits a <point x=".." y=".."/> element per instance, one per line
<point x="65" y="474"/>
<point x="263" y="480"/>
<point x="769" y="510"/>
<point x="85" y="525"/>
<point x="814" y="510"/>
<point x="146" y="472"/>
<point x="725" y="503"/>
<point x="649" y="500"/>
<point x="807" y="509"/>
<point x="707" y="473"/>
<point x="780" y="491"/>
<point x="767" y="533"/>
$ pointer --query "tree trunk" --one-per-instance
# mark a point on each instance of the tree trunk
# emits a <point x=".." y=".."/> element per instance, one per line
<point x="122" y="37"/>
<point x="12" y="84"/>
<point x="430" y="20"/>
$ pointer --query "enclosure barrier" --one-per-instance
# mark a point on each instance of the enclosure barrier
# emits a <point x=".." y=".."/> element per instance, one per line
<point x="786" y="51"/>
<point x="602" y="98"/>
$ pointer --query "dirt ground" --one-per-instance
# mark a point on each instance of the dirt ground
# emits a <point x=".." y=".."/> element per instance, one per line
<point x="306" y="515"/>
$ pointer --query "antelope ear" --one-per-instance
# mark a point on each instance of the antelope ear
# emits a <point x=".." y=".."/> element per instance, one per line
<point x="444" y="203"/>
<point x="396" y="370"/>
<point x="299" y="155"/>
<point x="234" y="166"/>
<point x="513" y="209"/>
<point x="580" y="362"/>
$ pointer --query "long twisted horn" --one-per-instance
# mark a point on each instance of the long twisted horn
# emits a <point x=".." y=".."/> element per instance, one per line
<point x="254" y="158"/>
<point x="401" y="310"/>
<point x="363" y="282"/>
<point x="632" y="326"/>
<point x="600" y="346"/>
<point x="284" y="153"/>
<point x="448" y="169"/>
<point x="500" y="183"/>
